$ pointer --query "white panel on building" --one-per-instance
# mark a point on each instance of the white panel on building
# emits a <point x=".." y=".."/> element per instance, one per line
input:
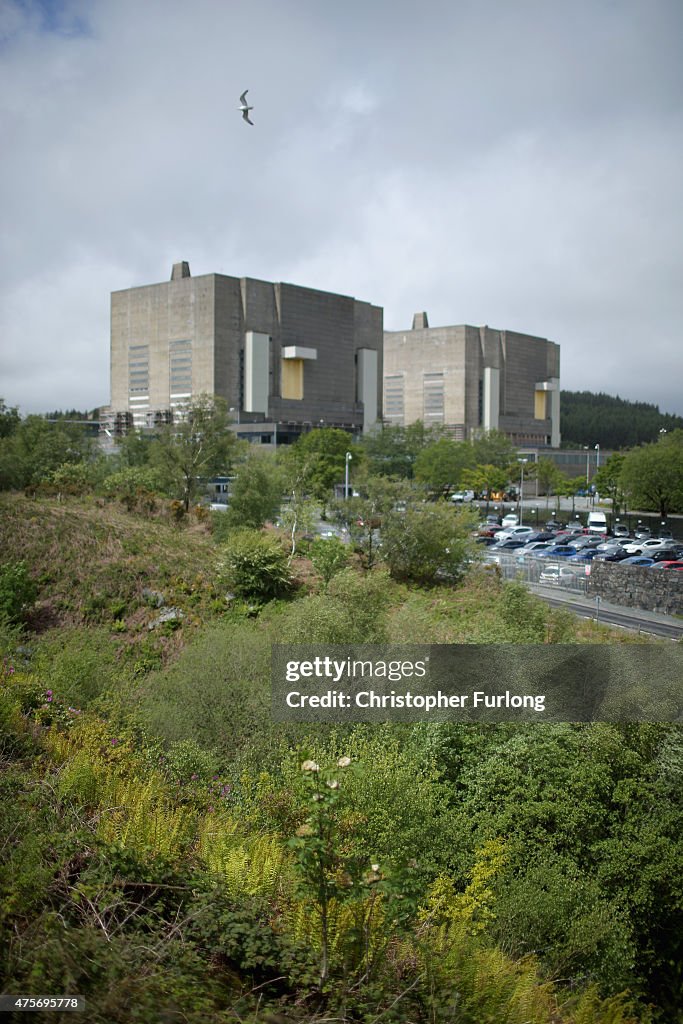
<point x="299" y="352"/>
<point x="256" y="372"/>
<point x="366" y="385"/>
<point x="491" y="409"/>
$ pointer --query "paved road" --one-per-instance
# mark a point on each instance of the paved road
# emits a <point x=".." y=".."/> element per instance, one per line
<point x="612" y="614"/>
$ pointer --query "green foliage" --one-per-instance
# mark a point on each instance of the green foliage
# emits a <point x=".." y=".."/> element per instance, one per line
<point x="9" y="419"/>
<point x="493" y="448"/>
<point x="587" y="418"/>
<point x="256" y="493"/>
<point x="652" y="475"/>
<point x="319" y="459"/>
<point x="32" y="450"/>
<point x="329" y="556"/>
<point x="254" y="566"/>
<point x="440" y="464"/>
<point x="199" y="446"/>
<point x="420" y="543"/>
<point x="392" y="451"/>
<point x="18" y="591"/>
<point x="135" y="487"/>
<point x="352" y="610"/>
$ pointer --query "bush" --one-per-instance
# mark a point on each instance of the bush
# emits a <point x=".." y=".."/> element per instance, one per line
<point x="329" y="556"/>
<point x="423" y="543"/>
<point x="255" y="567"/>
<point x="17" y="592"/>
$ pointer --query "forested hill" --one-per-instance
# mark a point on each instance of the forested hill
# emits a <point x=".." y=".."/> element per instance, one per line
<point x="587" y="418"/>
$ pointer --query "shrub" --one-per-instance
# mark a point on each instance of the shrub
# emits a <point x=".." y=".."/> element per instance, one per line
<point x="255" y="567"/>
<point x="423" y="543"/>
<point x="17" y="591"/>
<point x="329" y="556"/>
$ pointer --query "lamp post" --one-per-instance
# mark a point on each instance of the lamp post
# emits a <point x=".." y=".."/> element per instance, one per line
<point x="349" y="456"/>
<point x="522" y="463"/>
<point x="597" y="457"/>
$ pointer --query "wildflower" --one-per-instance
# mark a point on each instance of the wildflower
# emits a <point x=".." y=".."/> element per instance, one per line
<point x="310" y="766"/>
<point x="343" y="762"/>
<point x="333" y="784"/>
<point x="48" y="699"/>
<point x="304" y="830"/>
<point x="114" y="743"/>
<point x="48" y="693"/>
<point x="375" y="867"/>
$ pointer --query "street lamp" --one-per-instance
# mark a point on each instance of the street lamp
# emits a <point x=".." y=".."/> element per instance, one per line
<point x="523" y="463"/>
<point x="349" y="456"/>
<point x="588" y="465"/>
<point x="597" y="457"/>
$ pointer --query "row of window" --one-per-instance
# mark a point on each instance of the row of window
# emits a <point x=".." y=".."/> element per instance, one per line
<point x="179" y="370"/>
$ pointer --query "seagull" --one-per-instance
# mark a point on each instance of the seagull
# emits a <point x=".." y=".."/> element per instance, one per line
<point x="244" y="108"/>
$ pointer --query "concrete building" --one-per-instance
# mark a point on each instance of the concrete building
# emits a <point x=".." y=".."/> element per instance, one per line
<point x="472" y="379"/>
<point x="284" y="358"/>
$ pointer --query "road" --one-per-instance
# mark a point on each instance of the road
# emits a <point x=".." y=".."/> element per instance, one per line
<point x="612" y="615"/>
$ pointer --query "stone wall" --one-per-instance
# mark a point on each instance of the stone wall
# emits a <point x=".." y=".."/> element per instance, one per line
<point x="653" y="590"/>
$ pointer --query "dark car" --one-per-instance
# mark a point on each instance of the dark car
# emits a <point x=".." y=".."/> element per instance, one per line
<point x="665" y="555"/>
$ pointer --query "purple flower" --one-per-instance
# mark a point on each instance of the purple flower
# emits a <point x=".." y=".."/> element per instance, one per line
<point x="48" y="693"/>
<point x="114" y="743"/>
<point x="48" y="699"/>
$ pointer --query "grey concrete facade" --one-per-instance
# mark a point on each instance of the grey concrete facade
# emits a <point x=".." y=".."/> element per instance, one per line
<point x="277" y="353"/>
<point x="471" y="379"/>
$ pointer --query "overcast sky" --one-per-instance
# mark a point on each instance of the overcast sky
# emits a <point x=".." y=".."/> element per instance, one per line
<point x="517" y="164"/>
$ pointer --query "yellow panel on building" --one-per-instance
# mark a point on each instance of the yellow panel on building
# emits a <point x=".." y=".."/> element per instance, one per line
<point x="292" y="371"/>
<point x="540" y="405"/>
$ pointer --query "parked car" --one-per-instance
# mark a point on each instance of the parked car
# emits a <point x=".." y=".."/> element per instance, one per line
<point x="558" y="551"/>
<point x="511" y="519"/>
<point x="667" y="564"/>
<point x="647" y="546"/>
<point x="640" y="560"/>
<point x="666" y="555"/>
<point x="620" y="530"/>
<point x="642" y="532"/>
<point x="585" y="555"/>
<point x="461" y="496"/>
<point x="516" y="533"/>
<point x="557" y="575"/>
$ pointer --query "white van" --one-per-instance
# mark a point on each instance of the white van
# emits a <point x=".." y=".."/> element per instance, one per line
<point x="597" y="522"/>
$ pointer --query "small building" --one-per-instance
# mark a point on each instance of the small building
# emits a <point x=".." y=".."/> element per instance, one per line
<point x="285" y="358"/>
<point x="473" y="379"/>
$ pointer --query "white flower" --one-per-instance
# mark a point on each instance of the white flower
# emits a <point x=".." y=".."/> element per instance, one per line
<point x="344" y="762"/>
<point x="333" y="784"/>
<point x="310" y="766"/>
<point x="375" y="867"/>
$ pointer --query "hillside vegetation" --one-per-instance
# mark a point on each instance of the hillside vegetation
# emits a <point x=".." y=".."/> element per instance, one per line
<point x="587" y="418"/>
<point x="171" y="854"/>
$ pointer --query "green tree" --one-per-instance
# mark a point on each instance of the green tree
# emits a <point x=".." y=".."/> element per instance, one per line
<point x="329" y="556"/>
<point x="493" y="448"/>
<point x="257" y="491"/>
<point x="193" y="450"/>
<point x="9" y="419"/>
<point x="485" y="479"/>
<point x="440" y="464"/>
<point x="652" y="475"/>
<point x="393" y="451"/>
<point x="379" y="495"/>
<point x="421" y="543"/>
<point x="35" y="448"/>
<point x="321" y="460"/>
<point x="607" y="481"/>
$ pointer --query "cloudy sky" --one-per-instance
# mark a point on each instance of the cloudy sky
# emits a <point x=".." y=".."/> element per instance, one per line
<point x="511" y="163"/>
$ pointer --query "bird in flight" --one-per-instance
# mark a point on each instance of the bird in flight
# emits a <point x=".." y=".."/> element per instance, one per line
<point x="244" y="108"/>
